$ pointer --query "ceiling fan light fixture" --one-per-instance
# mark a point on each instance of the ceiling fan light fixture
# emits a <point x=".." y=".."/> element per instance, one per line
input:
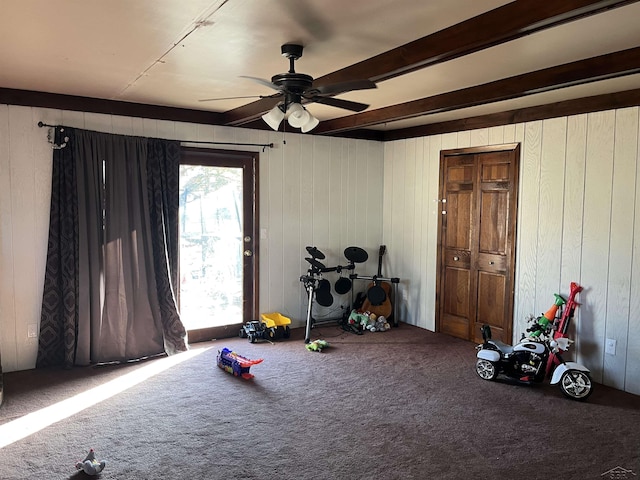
<point x="273" y="117"/>
<point x="298" y="116"/>
<point x="310" y="125"/>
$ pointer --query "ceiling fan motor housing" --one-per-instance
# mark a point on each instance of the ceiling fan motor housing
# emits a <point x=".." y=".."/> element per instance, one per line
<point x="292" y="82"/>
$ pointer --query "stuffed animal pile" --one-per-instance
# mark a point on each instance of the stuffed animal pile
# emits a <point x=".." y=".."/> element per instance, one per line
<point x="368" y="321"/>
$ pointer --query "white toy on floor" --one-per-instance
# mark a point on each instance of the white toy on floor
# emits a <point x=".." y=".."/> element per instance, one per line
<point x="90" y="465"/>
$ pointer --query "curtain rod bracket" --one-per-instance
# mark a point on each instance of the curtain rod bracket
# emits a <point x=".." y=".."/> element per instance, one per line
<point x="53" y="144"/>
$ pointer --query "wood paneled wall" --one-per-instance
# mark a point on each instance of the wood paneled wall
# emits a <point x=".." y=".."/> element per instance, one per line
<point x="578" y="220"/>
<point x="318" y="191"/>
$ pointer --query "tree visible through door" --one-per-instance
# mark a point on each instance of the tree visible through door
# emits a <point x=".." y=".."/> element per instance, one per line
<point x="478" y="191"/>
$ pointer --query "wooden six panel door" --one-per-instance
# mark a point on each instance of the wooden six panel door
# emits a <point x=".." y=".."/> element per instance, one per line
<point x="476" y="241"/>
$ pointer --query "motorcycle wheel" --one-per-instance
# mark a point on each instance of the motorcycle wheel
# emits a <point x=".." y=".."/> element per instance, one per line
<point x="576" y="384"/>
<point x="486" y="370"/>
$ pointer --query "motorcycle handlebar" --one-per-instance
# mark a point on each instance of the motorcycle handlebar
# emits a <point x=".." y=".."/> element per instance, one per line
<point x="536" y="327"/>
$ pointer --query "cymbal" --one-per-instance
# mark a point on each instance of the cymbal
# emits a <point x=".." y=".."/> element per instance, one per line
<point x="315" y="263"/>
<point x="315" y="253"/>
<point x="356" y="254"/>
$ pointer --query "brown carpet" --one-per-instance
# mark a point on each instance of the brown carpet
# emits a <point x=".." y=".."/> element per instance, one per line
<point x="403" y="404"/>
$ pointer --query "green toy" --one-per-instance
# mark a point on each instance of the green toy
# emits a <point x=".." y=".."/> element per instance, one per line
<point x="359" y="320"/>
<point x="317" y="345"/>
<point x="548" y="317"/>
<point x="90" y="465"/>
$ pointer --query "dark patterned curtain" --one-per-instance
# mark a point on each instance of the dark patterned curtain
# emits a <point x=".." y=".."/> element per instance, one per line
<point x="164" y="201"/>
<point x="59" y="316"/>
<point x="112" y="256"/>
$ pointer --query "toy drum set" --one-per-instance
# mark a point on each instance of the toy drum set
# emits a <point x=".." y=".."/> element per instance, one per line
<point x="319" y="289"/>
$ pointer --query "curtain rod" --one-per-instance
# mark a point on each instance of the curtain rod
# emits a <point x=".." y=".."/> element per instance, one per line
<point x="263" y="145"/>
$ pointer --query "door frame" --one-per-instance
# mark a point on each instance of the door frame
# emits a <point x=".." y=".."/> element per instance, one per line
<point x="507" y="147"/>
<point x="248" y="161"/>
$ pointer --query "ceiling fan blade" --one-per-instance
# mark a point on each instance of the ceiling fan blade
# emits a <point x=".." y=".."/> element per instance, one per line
<point x="230" y="98"/>
<point x="337" y="102"/>
<point x="342" y="87"/>
<point x="261" y="81"/>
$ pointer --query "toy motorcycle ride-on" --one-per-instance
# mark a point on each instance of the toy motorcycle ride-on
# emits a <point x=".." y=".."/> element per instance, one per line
<point x="539" y="355"/>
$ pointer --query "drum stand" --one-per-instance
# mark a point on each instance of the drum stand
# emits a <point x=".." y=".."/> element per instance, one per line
<point x="394" y="282"/>
<point x="320" y="289"/>
<point x="311" y="282"/>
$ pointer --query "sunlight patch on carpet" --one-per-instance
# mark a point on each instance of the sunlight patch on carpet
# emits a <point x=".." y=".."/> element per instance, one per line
<point x="33" y="422"/>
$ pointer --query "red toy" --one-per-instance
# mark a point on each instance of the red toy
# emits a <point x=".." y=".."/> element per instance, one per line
<point x="235" y="364"/>
<point x="560" y="330"/>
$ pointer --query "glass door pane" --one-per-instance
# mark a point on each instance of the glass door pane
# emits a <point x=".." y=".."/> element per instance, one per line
<point x="211" y="246"/>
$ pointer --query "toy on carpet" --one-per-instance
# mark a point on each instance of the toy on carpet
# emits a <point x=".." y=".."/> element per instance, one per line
<point x="360" y="320"/>
<point x="368" y="321"/>
<point x="317" y="345"/>
<point x="90" y="465"/>
<point x="235" y="364"/>
<point x="271" y="326"/>
<point x="380" y="324"/>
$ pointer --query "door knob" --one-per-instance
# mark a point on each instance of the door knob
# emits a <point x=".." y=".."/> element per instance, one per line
<point x="247" y="253"/>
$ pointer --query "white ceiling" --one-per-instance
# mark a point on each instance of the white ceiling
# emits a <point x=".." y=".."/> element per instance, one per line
<point x="178" y="52"/>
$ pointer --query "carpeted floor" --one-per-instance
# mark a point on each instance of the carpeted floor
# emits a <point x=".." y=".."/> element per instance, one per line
<point x="403" y="404"/>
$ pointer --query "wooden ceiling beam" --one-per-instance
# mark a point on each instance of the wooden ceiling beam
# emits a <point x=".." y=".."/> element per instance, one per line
<point x="607" y="101"/>
<point x="506" y="23"/>
<point x="613" y="65"/>
<point x="77" y="103"/>
<point x="503" y="24"/>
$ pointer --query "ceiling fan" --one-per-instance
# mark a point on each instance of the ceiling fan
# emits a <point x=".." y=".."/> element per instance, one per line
<point x="297" y="89"/>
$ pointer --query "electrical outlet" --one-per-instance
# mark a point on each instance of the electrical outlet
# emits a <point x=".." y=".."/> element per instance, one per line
<point x="32" y="330"/>
<point x="610" y="346"/>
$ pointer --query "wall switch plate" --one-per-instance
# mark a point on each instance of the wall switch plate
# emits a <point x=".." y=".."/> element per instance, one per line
<point x="32" y="330"/>
<point x="610" y="346"/>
